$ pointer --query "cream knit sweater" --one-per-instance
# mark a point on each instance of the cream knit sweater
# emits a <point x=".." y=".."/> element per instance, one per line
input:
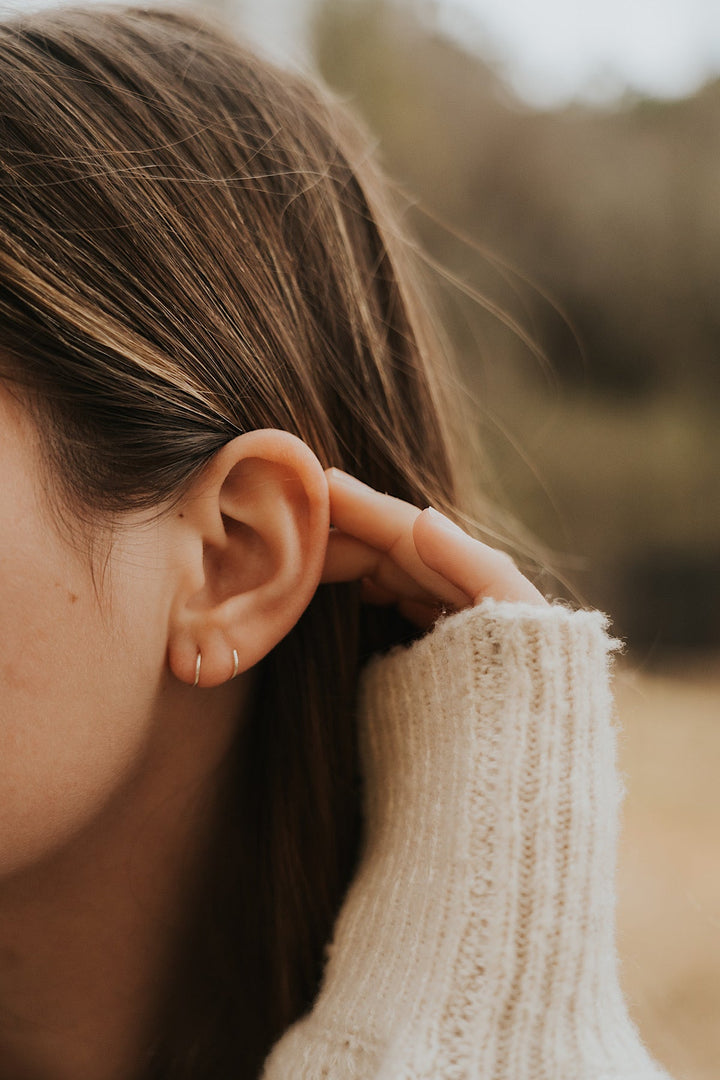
<point x="477" y="938"/>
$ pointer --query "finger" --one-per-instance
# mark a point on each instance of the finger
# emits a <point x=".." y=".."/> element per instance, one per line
<point x="473" y="566"/>
<point x="373" y="516"/>
<point x="348" y="558"/>
<point x="382" y="523"/>
<point x="418" y="612"/>
<point x="373" y="594"/>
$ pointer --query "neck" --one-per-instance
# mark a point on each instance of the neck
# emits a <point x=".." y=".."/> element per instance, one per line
<point x="88" y="934"/>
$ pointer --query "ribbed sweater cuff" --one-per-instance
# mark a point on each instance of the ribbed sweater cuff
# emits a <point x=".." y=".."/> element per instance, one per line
<point x="489" y="764"/>
<point x="477" y="936"/>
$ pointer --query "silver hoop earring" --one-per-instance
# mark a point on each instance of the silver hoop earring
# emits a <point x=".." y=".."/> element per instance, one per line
<point x="197" y="668"/>
<point x="235" y="664"/>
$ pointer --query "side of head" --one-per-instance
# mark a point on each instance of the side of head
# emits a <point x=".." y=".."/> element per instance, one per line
<point x="204" y="302"/>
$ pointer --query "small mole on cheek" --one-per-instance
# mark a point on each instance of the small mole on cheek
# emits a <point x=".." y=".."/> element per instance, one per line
<point x="73" y="597"/>
<point x="181" y="515"/>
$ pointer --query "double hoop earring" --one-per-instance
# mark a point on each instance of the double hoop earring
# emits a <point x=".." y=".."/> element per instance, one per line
<point x="236" y="664"/>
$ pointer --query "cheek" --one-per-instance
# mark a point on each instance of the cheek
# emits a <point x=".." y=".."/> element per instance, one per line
<point x="73" y="720"/>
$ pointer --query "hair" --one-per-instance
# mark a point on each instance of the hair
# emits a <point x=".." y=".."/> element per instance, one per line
<point x="195" y="243"/>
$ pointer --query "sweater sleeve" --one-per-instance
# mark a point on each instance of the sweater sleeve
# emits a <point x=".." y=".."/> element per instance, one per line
<point x="477" y="938"/>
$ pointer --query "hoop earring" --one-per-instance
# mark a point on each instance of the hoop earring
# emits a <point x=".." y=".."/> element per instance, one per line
<point x="197" y="668"/>
<point x="236" y="663"/>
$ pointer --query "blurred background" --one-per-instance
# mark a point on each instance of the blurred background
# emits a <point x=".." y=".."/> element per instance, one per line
<point x="563" y="160"/>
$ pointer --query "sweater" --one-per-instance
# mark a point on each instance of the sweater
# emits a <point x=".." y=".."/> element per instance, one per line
<point x="476" y="940"/>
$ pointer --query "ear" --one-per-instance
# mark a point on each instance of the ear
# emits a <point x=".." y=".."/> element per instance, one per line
<point x="249" y="544"/>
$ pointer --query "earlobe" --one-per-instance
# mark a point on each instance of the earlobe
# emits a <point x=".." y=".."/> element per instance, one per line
<point x="198" y="665"/>
<point x="251" y="538"/>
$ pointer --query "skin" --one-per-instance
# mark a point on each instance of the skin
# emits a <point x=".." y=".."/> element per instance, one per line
<point x="109" y="755"/>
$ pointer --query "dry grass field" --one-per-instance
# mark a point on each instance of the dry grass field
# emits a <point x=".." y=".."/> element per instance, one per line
<point x="669" y="865"/>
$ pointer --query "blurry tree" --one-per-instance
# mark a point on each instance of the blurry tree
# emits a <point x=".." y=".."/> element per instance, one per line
<point x="597" y="231"/>
<point x="620" y="204"/>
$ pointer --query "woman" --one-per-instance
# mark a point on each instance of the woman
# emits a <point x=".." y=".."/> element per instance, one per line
<point x="298" y="777"/>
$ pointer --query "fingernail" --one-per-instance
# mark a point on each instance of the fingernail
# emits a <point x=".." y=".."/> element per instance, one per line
<point x="442" y="521"/>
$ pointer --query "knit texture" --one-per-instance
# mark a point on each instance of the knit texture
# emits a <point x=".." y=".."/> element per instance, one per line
<point x="477" y="938"/>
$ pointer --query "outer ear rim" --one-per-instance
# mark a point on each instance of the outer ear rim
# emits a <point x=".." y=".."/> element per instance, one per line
<point x="216" y="642"/>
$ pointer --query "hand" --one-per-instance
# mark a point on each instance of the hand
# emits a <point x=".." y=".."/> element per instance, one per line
<point x="407" y="556"/>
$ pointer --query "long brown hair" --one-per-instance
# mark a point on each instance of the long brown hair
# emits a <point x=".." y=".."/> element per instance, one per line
<point x="193" y="244"/>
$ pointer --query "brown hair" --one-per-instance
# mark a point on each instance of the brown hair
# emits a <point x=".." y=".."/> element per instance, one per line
<point x="194" y="244"/>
